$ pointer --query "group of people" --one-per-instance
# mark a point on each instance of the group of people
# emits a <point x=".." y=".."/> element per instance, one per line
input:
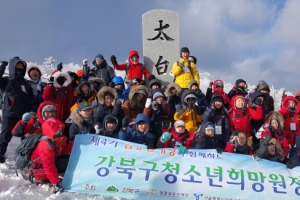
<point x="139" y="109"/>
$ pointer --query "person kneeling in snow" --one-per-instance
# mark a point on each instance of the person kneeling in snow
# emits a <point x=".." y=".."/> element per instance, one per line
<point x="49" y="158"/>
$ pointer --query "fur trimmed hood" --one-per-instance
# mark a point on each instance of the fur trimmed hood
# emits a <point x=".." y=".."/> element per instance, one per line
<point x="78" y="90"/>
<point x="176" y="86"/>
<point x="277" y="116"/>
<point x="277" y="145"/>
<point x="136" y="88"/>
<point x="67" y="77"/>
<point x="97" y="80"/>
<point x="100" y="94"/>
<point x="78" y="120"/>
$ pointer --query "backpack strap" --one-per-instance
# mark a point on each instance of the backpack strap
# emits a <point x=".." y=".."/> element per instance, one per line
<point x="35" y="126"/>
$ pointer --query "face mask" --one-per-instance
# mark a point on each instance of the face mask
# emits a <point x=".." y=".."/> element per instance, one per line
<point x="19" y="72"/>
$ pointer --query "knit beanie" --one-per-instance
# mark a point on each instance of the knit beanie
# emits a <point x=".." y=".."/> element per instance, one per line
<point x="157" y="94"/>
<point x="99" y="56"/>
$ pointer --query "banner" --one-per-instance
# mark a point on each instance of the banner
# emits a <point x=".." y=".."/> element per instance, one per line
<point x="112" y="167"/>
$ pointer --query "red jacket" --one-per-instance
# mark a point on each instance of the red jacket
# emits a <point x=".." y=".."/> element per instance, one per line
<point x="290" y="118"/>
<point x="46" y="152"/>
<point x="240" y="120"/>
<point x="134" y="70"/>
<point x="185" y="139"/>
<point x="61" y="96"/>
<point x="22" y="129"/>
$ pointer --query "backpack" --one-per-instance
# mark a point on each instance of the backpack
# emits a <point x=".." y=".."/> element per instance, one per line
<point x="126" y="80"/>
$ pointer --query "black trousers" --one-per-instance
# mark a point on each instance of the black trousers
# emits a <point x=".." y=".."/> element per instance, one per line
<point x="8" y="124"/>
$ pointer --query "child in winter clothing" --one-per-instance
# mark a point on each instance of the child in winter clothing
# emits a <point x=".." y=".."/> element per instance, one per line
<point x="238" y="143"/>
<point x="173" y="94"/>
<point x="294" y="155"/>
<point x="201" y="99"/>
<point x="140" y="133"/>
<point x="37" y="86"/>
<point x="118" y="85"/>
<point x="240" y="88"/>
<point x="178" y="138"/>
<point x="110" y="126"/>
<point x="97" y="83"/>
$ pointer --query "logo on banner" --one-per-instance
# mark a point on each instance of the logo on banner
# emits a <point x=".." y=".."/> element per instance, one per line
<point x="151" y="192"/>
<point x="112" y="188"/>
<point x="198" y="195"/>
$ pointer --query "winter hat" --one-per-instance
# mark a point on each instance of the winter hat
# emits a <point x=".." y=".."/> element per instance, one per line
<point x="59" y="67"/>
<point x="109" y="94"/>
<point x="262" y="85"/>
<point x="193" y="59"/>
<point x="118" y="80"/>
<point x="219" y="84"/>
<point x="83" y="106"/>
<point x="99" y="56"/>
<point x="189" y="96"/>
<point x="179" y="123"/>
<point x="111" y="120"/>
<point x="209" y="126"/>
<point x="184" y="49"/>
<point x="34" y="68"/>
<point x="158" y="94"/>
<point x="193" y="82"/>
<point x="140" y="92"/>
<point x="237" y="82"/>
<point x="49" y="108"/>
<point x="155" y="82"/>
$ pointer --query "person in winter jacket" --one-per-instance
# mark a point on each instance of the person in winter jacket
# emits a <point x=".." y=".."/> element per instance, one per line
<point x="49" y="158"/>
<point x="178" y="138"/>
<point x="240" y="115"/>
<point x="30" y="124"/>
<point x="189" y="112"/>
<point x="119" y="86"/>
<point x="173" y="94"/>
<point x="217" y="114"/>
<point x="217" y="87"/>
<point x="270" y="149"/>
<point x="205" y="138"/>
<point x="140" y="133"/>
<point x="85" y="93"/>
<point x="274" y="128"/>
<point x="17" y="98"/>
<point x="160" y="113"/>
<point x="294" y="155"/>
<point x="154" y="84"/>
<point x="37" y="86"/>
<point x="110" y="126"/>
<point x="74" y="78"/>
<point x="84" y="118"/>
<point x="291" y="112"/>
<point x="240" y="88"/>
<point x="97" y="83"/>
<point x="201" y="99"/>
<point x="132" y="69"/>
<point x="138" y="102"/>
<point x="184" y="70"/>
<point x="60" y="92"/>
<point x="238" y="143"/>
<point x="102" y="69"/>
<point x="264" y="88"/>
<point x="108" y="104"/>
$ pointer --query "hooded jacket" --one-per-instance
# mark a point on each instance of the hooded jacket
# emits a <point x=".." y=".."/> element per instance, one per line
<point x="18" y="98"/>
<point x="60" y="95"/>
<point x="263" y="153"/>
<point x="34" y="126"/>
<point x="134" y="70"/>
<point x="37" y="87"/>
<point x="202" y="141"/>
<point x="213" y="90"/>
<point x="201" y="99"/>
<point x="105" y="131"/>
<point x="103" y="71"/>
<point x="173" y="100"/>
<point x="183" y="78"/>
<point x="47" y="151"/>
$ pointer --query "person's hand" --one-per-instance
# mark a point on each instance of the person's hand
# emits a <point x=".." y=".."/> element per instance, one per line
<point x="266" y="139"/>
<point x="118" y="102"/>
<point x="26" y="117"/>
<point x="233" y="140"/>
<point x="182" y="149"/>
<point x="148" y="103"/>
<point x="165" y="137"/>
<point x="3" y="64"/>
<point x="97" y="127"/>
<point x="113" y="59"/>
<point x="258" y="101"/>
<point x="85" y="61"/>
<point x="219" y="150"/>
<point x="125" y="122"/>
<point x="111" y="84"/>
<point x="57" y="188"/>
<point x="154" y="105"/>
<point x="210" y="84"/>
<point x="289" y="164"/>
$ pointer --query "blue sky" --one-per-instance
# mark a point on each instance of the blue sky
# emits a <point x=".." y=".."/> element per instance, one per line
<point x="232" y="39"/>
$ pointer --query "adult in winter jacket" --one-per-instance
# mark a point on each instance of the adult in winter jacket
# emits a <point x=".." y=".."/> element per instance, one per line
<point x="49" y="151"/>
<point x="268" y="102"/>
<point x="294" y="155"/>
<point x="217" y="114"/>
<point x="60" y="92"/>
<point x="217" y="87"/>
<point x="205" y="138"/>
<point x="240" y="115"/>
<point x="140" y="133"/>
<point x="119" y="86"/>
<point x="184" y="70"/>
<point x="37" y="86"/>
<point x="30" y="124"/>
<point x="134" y="69"/>
<point x="240" y="88"/>
<point x="84" y="118"/>
<point x="138" y="102"/>
<point x="17" y="99"/>
<point x="238" y="143"/>
<point x="173" y="94"/>
<point x="110" y="126"/>
<point x="102" y="69"/>
<point x="189" y="112"/>
<point x="108" y="104"/>
<point x="201" y="99"/>
<point x="274" y="128"/>
<point x="290" y="112"/>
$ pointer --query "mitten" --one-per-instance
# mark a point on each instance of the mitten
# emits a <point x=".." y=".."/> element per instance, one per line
<point x="59" y="67"/>
<point x="148" y="103"/>
<point x="165" y="137"/>
<point x="258" y="101"/>
<point x="3" y="64"/>
<point x="182" y="149"/>
<point x="219" y="149"/>
<point x="26" y="117"/>
<point x="125" y="122"/>
<point x="97" y="127"/>
<point x="85" y="61"/>
<point x="113" y="59"/>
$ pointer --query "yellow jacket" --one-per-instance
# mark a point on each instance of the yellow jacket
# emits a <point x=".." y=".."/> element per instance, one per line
<point x="190" y="118"/>
<point x="183" y="78"/>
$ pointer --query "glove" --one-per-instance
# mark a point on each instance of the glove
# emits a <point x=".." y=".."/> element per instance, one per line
<point x="3" y="64"/>
<point x="210" y="84"/>
<point x="232" y="141"/>
<point x="266" y="139"/>
<point x="118" y="102"/>
<point x="289" y="164"/>
<point x="165" y="137"/>
<point x="154" y="105"/>
<point x="111" y="84"/>
<point x="86" y="70"/>
<point x="151" y="77"/>
<point x="26" y="117"/>
<point x="125" y="122"/>
<point x="258" y="101"/>
<point x="57" y="188"/>
<point x="148" y="103"/>
<point x="219" y="150"/>
<point x="85" y="61"/>
<point x="97" y="127"/>
<point x="113" y="60"/>
<point x="59" y="66"/>
<point x="182" y="149"/>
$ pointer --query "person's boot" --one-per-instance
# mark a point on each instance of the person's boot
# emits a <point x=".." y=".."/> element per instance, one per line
<point x="2" y="158"/>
